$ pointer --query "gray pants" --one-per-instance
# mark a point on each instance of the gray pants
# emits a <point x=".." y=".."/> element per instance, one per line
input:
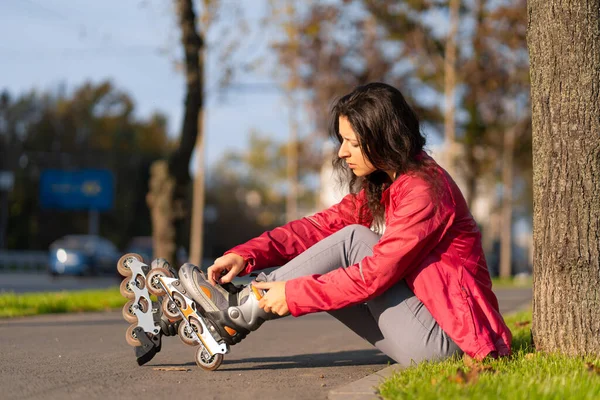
<point x="396" y="322"/>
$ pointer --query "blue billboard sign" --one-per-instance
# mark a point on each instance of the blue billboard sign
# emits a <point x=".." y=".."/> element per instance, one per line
<point x="86" y="189"/>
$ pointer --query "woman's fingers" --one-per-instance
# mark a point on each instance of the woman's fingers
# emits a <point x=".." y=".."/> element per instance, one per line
<point x="262" y="285"/>
<point x="213" y="273"/>
<point x="274" y="300"/>
<point x="229" y="276"/>
<point x="225" y="268"/>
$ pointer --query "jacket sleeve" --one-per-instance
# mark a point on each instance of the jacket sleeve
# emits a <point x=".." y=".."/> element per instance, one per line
<point x="413" y="230"/>
<point x="278" y="246"/>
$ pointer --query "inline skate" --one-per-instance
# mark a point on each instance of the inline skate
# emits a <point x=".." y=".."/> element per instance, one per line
<point x="210" y="317"/>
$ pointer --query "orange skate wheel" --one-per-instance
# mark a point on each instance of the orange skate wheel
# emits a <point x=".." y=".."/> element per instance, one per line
<point x="125" y="288"/>
<point x="186" y="336"/>
<point x="128" y="314"/>
<point x="208" y="364"/>
<point x="131" y="337"/>
<point x="154" y="286"/>
<point x="170" y="310"/>
<point x="123" y="263"/>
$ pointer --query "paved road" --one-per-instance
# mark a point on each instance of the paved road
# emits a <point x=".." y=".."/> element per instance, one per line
<point x="44" y="282"/>
<point x="85" y="356"/>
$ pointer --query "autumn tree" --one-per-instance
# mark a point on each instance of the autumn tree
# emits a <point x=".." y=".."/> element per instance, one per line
<point x="326" y="50"/>
<point x="90" y="126"/>
<point x="177" y="214"/>
<point x="565" y="75"/>
<point x="246" y="191"/>
<point x="489" y="51"/>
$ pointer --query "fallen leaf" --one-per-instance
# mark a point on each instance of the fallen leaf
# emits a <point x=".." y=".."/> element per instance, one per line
<point x="468" y="361"/>
<point x="592" y="368"/>
<point x="473" y="375"/>
<point x="460" y="376"/>
<point x="473" y="364"/>
<point x="170" y="369"/>
<point x="522" y="323"/>
<point x="529" y="356"/>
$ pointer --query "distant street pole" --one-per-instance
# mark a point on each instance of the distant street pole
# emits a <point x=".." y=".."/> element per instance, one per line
<point x="3" y="218"/>
<point x="6" y="185"/>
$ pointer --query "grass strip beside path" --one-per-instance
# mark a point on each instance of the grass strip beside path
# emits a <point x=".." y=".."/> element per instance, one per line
<point x="20" y="305"/>
<point x="524" y="375"/>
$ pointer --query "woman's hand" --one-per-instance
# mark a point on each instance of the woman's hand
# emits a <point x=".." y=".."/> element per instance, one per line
<point x="231" y="263"/>
<point x="274" y="300"/>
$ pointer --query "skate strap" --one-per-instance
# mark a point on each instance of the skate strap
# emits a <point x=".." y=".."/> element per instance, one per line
<point x="232" y="289"/>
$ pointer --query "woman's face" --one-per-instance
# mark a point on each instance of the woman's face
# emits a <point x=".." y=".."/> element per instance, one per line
<point x="351" y="151"/>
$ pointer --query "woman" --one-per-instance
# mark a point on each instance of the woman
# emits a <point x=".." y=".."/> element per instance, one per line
<point x="399" y="260"/>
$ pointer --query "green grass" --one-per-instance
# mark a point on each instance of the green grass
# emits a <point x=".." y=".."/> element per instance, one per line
<point x="19" y="305"/>
<point x="511" y="282"/>
<point x="524" y="375"/>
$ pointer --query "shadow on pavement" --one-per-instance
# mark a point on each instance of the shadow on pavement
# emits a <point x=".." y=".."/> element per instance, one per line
<point x="336" y="359"/>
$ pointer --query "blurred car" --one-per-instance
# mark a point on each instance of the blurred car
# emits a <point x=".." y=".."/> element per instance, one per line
<point x="82" y="255"/>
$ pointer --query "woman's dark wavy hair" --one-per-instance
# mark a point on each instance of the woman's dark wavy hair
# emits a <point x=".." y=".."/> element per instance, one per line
<point x="389" y="136"/>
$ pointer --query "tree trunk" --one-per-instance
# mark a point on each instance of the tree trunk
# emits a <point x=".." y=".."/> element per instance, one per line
<point x="164" y="211"/>
<point x="564" y="48"/>
<point x="197" y="226"/>
<point x="169" y="182"/>
<point x="449" y="86"/>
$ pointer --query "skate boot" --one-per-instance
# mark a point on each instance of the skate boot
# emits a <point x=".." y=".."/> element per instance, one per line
<point x="231" y="311"/>
<point x="148" y="321"/>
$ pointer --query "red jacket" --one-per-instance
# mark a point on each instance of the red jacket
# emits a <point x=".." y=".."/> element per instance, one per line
<point x="436" y="250"/>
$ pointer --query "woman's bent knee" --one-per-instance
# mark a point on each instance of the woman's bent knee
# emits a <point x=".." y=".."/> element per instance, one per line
<point x="360" y="232"/>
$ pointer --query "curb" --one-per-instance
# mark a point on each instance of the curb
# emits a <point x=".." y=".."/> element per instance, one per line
<point x="364" y="388"/>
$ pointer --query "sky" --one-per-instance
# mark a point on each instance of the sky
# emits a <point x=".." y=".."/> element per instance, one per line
<point x="133" y="43"/>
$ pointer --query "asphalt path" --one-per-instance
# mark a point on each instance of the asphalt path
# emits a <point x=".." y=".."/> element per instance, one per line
<point x="85" y="356"/>
<point x="44" y="282"/>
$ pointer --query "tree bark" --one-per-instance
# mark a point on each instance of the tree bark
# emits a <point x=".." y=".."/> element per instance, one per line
<point x="450" y="85"/>
<point x="169" y="182"/>
<point x="197" y="226"/>
<point x="564" y="47"/>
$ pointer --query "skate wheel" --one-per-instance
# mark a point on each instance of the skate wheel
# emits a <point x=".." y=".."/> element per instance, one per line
<point x="186" y="336"/>
<point x="125" y="288"/>
<point x="154" y="286"/>
<point x="131" y="337"/>
<point x="129" y="307"/>
<point x="128" y="314"/>
<point x="123" y="263"/>
<point x="170" y="310"/>
<point x="211" y="364"/>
